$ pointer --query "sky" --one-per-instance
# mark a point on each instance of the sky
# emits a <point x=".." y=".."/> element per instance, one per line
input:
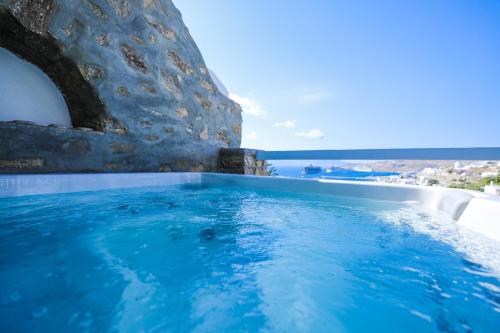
<point x="335" y="74"/>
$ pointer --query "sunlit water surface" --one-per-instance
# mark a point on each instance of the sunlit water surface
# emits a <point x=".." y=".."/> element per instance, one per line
<point x="218" y="259"/>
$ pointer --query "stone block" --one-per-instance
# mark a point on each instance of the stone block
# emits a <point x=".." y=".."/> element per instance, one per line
<point x="241" y="161"/>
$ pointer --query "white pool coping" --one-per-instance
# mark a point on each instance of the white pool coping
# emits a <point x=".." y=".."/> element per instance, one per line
<point x="475" y="210"/>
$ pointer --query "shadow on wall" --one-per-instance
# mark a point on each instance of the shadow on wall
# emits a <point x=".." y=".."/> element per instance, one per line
<point x="26" y="93"/>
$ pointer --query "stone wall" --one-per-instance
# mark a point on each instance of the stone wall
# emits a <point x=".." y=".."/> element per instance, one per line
<point x="137" y="89"/>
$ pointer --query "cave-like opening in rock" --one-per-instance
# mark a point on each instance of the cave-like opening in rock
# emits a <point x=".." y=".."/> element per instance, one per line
<point x="42" y="51"/>
<point x="27" y="93"/>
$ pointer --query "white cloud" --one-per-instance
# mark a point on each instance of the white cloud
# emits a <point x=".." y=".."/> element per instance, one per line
<point x="314" y="97"/>
<point x="249" y="106"/>
<point x="287" y="124"/>
<point x="251" y="136"/>
<point x="312" y="134"/>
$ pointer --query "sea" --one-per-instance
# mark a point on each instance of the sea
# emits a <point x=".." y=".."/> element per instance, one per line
<point x="334" y="174"/>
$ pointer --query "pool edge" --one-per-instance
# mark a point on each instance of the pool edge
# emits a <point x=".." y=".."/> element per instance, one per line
<point x="475" y="210"/>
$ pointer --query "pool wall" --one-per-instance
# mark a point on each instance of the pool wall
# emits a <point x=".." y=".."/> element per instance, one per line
<point x="475" y="210"/>
<point x="20" y="185"/>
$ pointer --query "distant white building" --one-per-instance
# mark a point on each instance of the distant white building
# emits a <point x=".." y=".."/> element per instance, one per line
<point x="492" y="189"/>
<point x="478" y="164"/>
<point x="429" y="171"/>
<point x="489" y="174"/>
<point x="458" y="166"/>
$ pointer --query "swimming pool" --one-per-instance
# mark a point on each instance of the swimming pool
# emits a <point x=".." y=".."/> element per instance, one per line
<point x="211" y="253"/>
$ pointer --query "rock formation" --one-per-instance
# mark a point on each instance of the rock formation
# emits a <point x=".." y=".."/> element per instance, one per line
<point x="139" y="94"/>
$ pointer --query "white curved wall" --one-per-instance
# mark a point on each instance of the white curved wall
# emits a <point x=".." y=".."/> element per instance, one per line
<point x="26" y="93"/>
<point x="218" y="83"/>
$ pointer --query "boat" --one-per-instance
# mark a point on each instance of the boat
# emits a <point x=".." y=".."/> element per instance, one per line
<point x="311" y="169"/>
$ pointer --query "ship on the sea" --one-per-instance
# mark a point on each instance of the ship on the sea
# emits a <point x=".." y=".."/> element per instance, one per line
<point x="311" y="170"/>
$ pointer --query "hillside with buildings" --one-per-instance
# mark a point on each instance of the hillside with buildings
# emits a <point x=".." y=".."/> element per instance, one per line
<point x="474" y="175"/>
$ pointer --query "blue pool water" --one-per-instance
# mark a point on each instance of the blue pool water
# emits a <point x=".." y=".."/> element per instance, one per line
<point x="196" y="259"/>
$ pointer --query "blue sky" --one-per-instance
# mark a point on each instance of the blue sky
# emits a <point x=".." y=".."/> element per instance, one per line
<point x="331" y="74"/>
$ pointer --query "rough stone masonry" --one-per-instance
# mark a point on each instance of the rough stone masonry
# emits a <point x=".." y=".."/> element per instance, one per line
<point x="139" y="94"/>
